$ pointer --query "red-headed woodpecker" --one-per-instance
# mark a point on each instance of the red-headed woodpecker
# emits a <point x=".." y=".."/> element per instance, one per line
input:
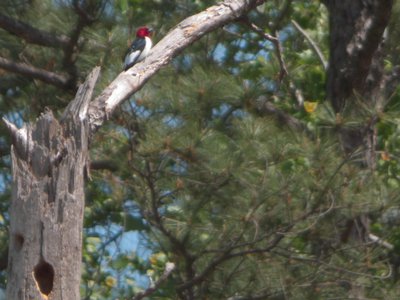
<point x="139" y="48"/>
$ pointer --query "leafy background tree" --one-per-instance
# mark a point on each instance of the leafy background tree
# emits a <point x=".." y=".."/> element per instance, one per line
<point x="230" y="162"/>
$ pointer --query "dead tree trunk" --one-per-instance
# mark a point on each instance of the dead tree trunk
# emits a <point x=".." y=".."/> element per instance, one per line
<point x="46" y="213"/>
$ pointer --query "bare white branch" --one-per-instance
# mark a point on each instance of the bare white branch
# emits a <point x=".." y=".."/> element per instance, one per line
<point x="376" y="239"/>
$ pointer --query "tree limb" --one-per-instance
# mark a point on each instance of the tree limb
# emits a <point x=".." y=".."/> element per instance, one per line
<point x="35" y="73"/>
<point x="284" y="10"/>
<point x="376" y="239"/>
<point x="184" y="34"/>
<point x="274" y="40"/>
<point x="169" y="267"/>
<point x="227" y="254"/>
<point x="83" y="9"/>
<point x="31" y="34"/>
<point x="265" y="107"/>
<point x="313" y="45"/>
<point x="20" y="138"/>
<point x="109" y="165"/>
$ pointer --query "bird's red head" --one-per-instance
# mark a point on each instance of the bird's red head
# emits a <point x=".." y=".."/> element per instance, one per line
<point x="144" y="31"/>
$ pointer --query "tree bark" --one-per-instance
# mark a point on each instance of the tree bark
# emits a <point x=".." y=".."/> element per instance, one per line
<point x="355" y="87"/>
<point x="356" y="33"/>
<point x="47" y="205"/>
<point x="355" y="71"/>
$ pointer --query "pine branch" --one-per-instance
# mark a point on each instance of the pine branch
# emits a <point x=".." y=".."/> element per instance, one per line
<point x="31" y="34"/>
<point x="43" y="38"/>
<point x="35" y="73"/>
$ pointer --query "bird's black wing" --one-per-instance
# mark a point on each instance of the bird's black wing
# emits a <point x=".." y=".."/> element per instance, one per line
<point x="133" y="53"/>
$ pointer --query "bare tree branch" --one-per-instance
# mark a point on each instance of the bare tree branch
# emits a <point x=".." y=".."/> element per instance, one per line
<point x="297" y="93"/>
<point x="157" y="220"/>
<point x="87" y="12"/>
<point x="35" y="73"/>
<point x="376" y="239"/>
<point x="184" y="34"/>
<point x="277" y="45"/>
<point x="313" y="45"/>
<point x="284" y="10"/>
<point x="229" y="253"/>
<point x="328" y="265"/>
<point x="264" y="106"/>
<point x="31" y="34"/>
<point x="169" y="267"/>
<point x="104" y="165"/>
<point x="283" y="70"/>
<point x="265" y="295"/>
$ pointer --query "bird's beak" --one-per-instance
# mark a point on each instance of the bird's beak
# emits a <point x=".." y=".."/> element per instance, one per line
<point x="151" y="31"/>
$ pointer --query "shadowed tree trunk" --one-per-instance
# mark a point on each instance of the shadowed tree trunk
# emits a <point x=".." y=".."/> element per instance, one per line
<point x="355" y="73"/>
<point x="355" y="87"/>
<point x="47" y="204"/>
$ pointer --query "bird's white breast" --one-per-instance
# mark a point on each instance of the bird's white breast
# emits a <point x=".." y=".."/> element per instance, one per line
<point x="146" y="49"/>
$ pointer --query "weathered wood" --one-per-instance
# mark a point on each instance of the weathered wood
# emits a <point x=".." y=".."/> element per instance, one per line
<point x="46" y="213"/>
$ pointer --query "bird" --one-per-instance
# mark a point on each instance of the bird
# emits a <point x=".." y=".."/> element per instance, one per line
<point x="139" y="48"/>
